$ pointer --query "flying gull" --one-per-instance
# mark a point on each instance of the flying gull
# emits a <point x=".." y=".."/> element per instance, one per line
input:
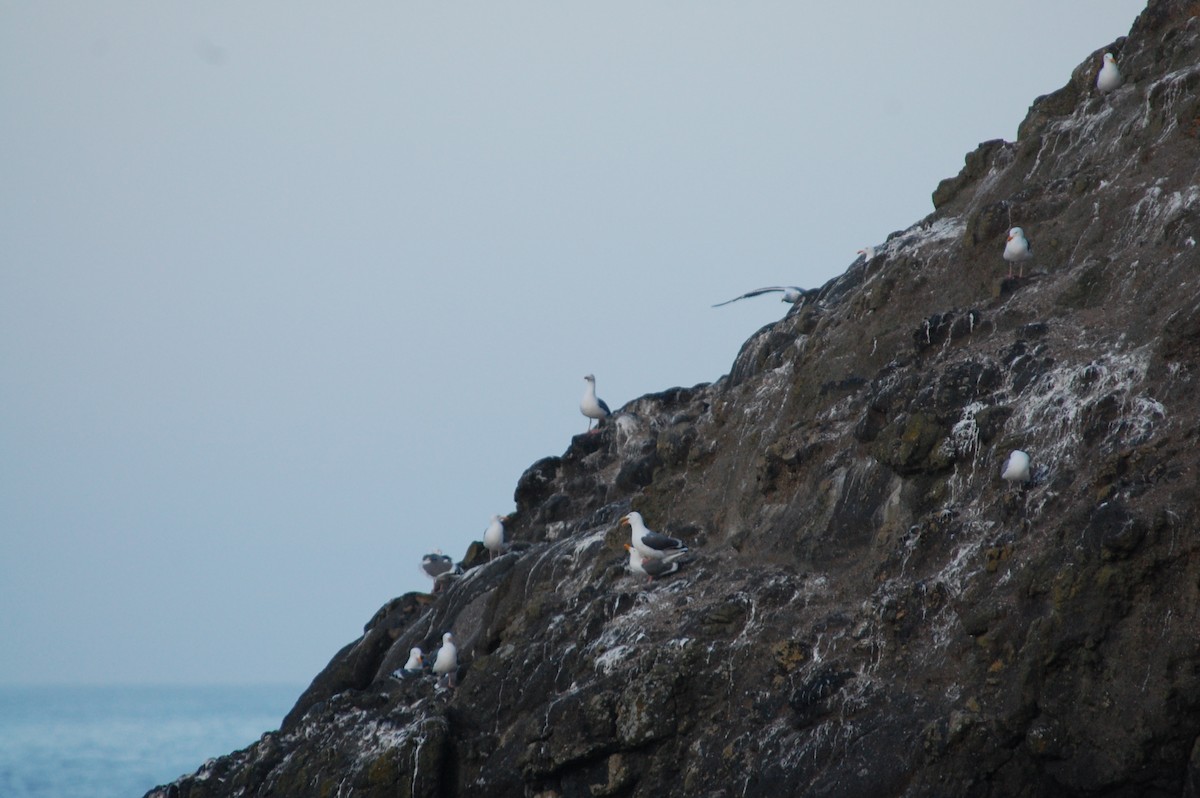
<point x="1016" y="468"/>
<point x="791" y="293"/>
<point x="653" y="569"/>
<point x="436" y="564"/>
<point x="649" y="543"/>
<point x="1109" y="77"/>
<point x="1018" y="249"/>
<point x="592" y="406"/>
<point x="493" y="536"/>
<point x="445" y="665"/>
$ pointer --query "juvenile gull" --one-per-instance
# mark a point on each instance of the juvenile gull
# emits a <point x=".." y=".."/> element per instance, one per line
<point x="651" y="544"/>
<point x="1109" y="77"/>
<point x="1016" y="468"/>
<point x="1018" y="249"/>
<point x="445" y="665"/>
<point x="592" y="406"/>
<point x="791" y="294"/>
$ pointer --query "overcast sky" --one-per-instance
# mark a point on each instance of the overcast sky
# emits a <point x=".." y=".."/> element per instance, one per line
<point x="291" y="294"/>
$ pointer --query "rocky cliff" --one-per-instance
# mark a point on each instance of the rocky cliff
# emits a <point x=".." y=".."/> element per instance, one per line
<point x="869" y="609"/>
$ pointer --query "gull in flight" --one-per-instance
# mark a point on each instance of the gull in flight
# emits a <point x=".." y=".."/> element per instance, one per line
<point x="791" y="294"/>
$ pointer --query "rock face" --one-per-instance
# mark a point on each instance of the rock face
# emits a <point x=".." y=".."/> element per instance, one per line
<point x="869" y="609"/>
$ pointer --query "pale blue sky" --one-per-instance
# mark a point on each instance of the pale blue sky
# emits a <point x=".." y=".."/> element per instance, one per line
<point x="293" y="293"/>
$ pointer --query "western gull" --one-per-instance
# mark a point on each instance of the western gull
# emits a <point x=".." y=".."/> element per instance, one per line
<point x="791" y="294"/>
<point x="868" y="254"/>
<point x="493" y="536"/>
<point x="1109" y="77"/>
<point x="652" y="569"/>
<point x="1018" y="249"/>
<point x="1016" y="468"/>
<point x="649" y="543"/>
<point x="436" y="564"/>
<point x="445" y="665"/>
<point x="414" y="666"/>
<point x="591" y="405"/>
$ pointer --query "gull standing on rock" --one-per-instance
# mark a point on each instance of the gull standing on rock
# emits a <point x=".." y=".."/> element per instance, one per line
<point x="1109" y="77"/>
<point x="652" y="569"/>
<point x="592" y="406"/>
<point x="445" y="666"/>
<point x="493" y="537"/>
<point x="1016" y="468"/>
<point x="1017" y="250"/>
<point x="650" y="544"/>
<point x="791" y="294"/>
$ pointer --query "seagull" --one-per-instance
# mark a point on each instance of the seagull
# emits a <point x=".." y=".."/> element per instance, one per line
<point x="493" y="536"/>
<point x="1109" y="77"/>
<point x="414" y="666"/>
<point x="1016" y="468"/>
<point x="592" y="406"/>
<point x="436" y="564"/>
<point x="868" y="254"/>
<point x="440" y="568"/>
<point x="1017" y="250"/>
<point x="650" y="544"/>
<point x="445" y="665"/>
<point x="791" y="293"/>
<point x="652" y="568"/>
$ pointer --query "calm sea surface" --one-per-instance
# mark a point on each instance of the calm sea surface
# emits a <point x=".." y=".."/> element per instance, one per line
<point x="105" y="742"/>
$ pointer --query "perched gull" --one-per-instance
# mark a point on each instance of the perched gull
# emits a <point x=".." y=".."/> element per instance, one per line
<point x="649" y="543"/>
<point x="868" y="254"/>
<point x="445" y="665"/>
<point x="436" y="564"/>
<point x="414" y="666"/>
<point x="592" y="406"/>
<point x="1017" y="250"/>
<point x="1016" y="469"/>
<point x="791" y="293"/>
<point x="493" y="536"/>
<point x="652" y="568"/>
<point x="1109" y="77"/>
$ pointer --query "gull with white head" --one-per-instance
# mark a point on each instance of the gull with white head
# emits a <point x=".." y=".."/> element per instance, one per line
<point x="436" y="564"/>
<point x="445" y="665"/>
<point x="414" y="666"/>
<point x="650" y="544"/>
<point x="652" y="569"/>
<point x="1017" y="249"/>
<point x="1109" y="77"/>
<point x="493" y="536"/>
<point x="591" y="405"/>
<point x="791" y="294"/>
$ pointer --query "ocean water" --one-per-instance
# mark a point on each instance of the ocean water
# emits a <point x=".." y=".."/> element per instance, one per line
<point x="119" y="742"/>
